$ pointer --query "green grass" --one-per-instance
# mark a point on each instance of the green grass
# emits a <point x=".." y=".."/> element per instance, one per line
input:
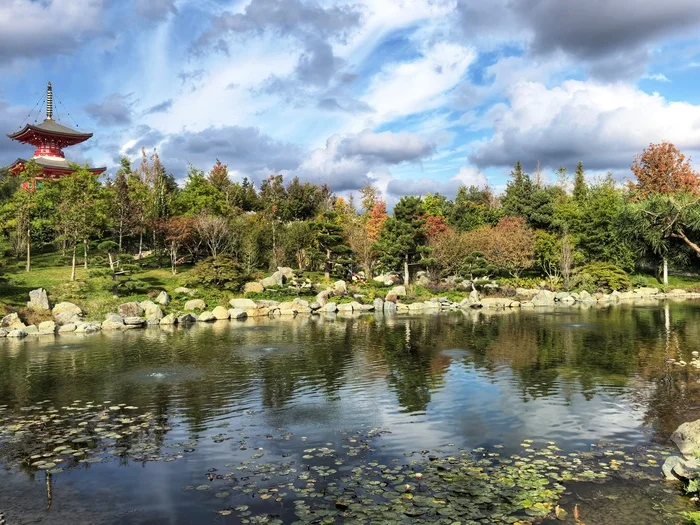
<point x="674" y="281"/>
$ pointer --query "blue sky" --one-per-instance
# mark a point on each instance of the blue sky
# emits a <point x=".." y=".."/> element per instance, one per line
<point x="412" y="95"/>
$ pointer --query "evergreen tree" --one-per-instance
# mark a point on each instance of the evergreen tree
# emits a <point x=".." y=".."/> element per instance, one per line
<point x="403" y="240"/>
<point x="580" y="188"/>
<point x="330" y="241"/>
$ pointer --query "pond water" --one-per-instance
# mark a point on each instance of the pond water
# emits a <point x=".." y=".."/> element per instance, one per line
<point x="276" y="420"/>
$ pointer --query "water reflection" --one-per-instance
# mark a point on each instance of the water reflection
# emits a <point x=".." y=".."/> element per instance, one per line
<point x="574" y="376"/>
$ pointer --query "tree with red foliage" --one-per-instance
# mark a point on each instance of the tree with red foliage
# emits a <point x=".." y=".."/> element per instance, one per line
<point x="662" y="168"/>
<point x="510" y="245"/>
<point x="434" y="226"/>
<point x="375" y="220"/>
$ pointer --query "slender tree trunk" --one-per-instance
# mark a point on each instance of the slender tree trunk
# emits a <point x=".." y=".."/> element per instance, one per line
<point x="29" y="250"/>
<point x="121" y="234"/>
<point x="327" y="266"/>
<point x="406" y="275"/>
<point x="140" y="245"/>
<point x="72" y="271"/>
<point x="85" y="250"/>
<point x="111" y="261"/>
<point x="274" y="245"/>
<point x="173" y="258"/>
<point x="665" y="271"/>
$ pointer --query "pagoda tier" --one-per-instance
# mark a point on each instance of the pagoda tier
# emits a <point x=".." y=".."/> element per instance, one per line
<point x="49" y="138"/>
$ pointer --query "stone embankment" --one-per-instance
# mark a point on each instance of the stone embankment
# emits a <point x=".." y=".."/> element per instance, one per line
<point x="69" y="318"/>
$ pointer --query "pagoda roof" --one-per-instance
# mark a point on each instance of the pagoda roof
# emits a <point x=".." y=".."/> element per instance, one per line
<point x="52" y="164"/>
<point x="49" y="127"/>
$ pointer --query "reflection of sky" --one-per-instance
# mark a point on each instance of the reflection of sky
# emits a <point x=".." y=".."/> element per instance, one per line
<point x="218" y="379"/>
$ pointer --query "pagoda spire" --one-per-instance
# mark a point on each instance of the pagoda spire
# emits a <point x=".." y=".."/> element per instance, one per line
<point x="49" y="102"/>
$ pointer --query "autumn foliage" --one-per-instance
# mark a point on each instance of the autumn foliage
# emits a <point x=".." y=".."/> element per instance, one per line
<point x="375" y="220"/>
<point x="663" y="169"/>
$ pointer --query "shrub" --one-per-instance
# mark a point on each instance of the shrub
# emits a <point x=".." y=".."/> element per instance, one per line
<point x="221" y="272"/>
<point x="604" y="277"/>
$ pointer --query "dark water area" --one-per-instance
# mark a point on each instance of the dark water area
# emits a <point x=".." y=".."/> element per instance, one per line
<point x="253" y="402"/>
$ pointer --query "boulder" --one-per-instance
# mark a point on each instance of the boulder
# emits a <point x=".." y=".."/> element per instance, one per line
<point x="687" y="438"/>
<point x="242" y="303"/>
<point x="134" y="320"/>
<point x="195" y="304"/>
<point x="339" y="288"/>
<point x="422" y="280"/>
<point x="677" y="291"/>
<point x="163" y="298"/>
<point x="687" y="469"/>
<point x="253" y="287"/>
<point x="257" y="312"/>
<point x="17" y="333"/>
<point x="390" y="307"/>
<point x="151" y="310"/>
<point x="646" y="291"/>
<point x="392" y="279"/>
<point x="315" y="306"/>
<point x="169" y="319"/>
<point x="398" y="291"/>
<point x="416" y="306"/>
<point x="345" y="307"/>
<point x="206" y="317"/>
<point x="38" y="300"/>
<point x="330" y="308"/>
<point x="47" y="327"/>
<point x="560" y="296"/>
<point x="237" y="313"/>
<point x="131" y="309"/>
<point x="378" y="304"/>
<point x="67" y="328"/>
<point x="669" y="465"/>
<point x="221" y="313"/>
<point x="286" y="272"/>
<point x="12" y="322"/>
<point x="66" y="307"/>
<point x="274" y="280"/>
<point x="496" y="303"/>
<point x="31" y="330"/>
<point x="67" y="318"/>
<point x="322" y="297"/>
<point x="187" y="318"/>
<point x="153" y="321"/>
<point x="543" y="298"/>
<point x="3" y="332"/>
<point x="184" y="291"/>
<point x="86" y="328"/>
<point x="586" y="298"/>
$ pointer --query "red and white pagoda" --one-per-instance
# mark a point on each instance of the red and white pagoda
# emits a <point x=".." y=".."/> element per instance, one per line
<point x="49" y="138"/>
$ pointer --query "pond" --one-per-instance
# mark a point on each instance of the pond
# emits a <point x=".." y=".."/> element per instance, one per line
<point x="469" y="417"/>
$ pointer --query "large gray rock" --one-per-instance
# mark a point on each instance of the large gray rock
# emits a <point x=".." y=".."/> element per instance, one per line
<point x="47" y="327"/>
<point x="131" y="309"/>
<point x="330" y="308"/>
<point x="315" y="306"/>
<point x="187" y="318"/>
<point x="163" y="298"/>
<point x="286" y="272"/>
<point x="184" y="291"/>
<point x="12" y="322"/>
<point x="3" y="332"/>
<point x="206" y="317"/>
<point x="322" y="297"/>
<point x="390" y="307"/>
<point x="253" y="287"/>
<point x="67" y="328"/>
<point x="134" y="320"/>
<point x="687" y="469"/>
<point x="242" y="303"/>
<point x="398" y="291"/>
<point x="646" y="291"/>
<point x="17" y="333"/>
<point x="38" y="300"/>
<point x="237" y="313"/>
<point x="586" y="298"/>
<point x="687" y="438"/>
<point x="339" y="288"/>
<point x="543" y="298"/>
<point x="111" y="323"/>
<point x="151" y="310"/>
<point x="221" y="313"/>
<point x="67" y="318"/>
<point x="31" y="330"/>
<point x="66" y="307"/>
<point x="195" y="304"/>
<point x="668" y="466"/>
<point x="87" y="328"/>
<point x="169" y="319"/>
<point x="275" y="280"/>
<point x="378" y="304"/>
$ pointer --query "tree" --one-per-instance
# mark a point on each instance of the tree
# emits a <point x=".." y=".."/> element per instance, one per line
<point x="214" y="232"/>
<point x="180" y="233"/>
<point x="219" y="179"/>
<point x="26" y="207"/>
<point x="330" y="240"/>
<point x="272" y="197"/>
<point x="579" y="183"/>
<point x="662" y="168"/>
<point x="78" y="212"/>
<point x="548" y="254"/>
<point x="473" y="208"/>
<point x="123" y="207"/>
<point x="199" y="195"/>
<point x="369" y="197"/>
<point x="376" y="218"/>
<point x="436" y="205"/>
<point x="510" y="245"/>
<point x="403" y="240"/>
<point x="298" y="240"/>
<point x="363" y="244"/>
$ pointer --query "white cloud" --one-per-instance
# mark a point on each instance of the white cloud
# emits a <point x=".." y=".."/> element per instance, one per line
<point x="30" y="29"/>
<point x="660" y="77"/>
<point x="419" y="85"/>
<point x="604" y="125"/>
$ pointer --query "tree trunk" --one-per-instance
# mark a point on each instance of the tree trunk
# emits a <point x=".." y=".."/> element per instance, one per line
<point x="111" y="261"/>
<point x="140" y="245"/>
<point x="121" y="236"/>
<point x="690" y="243"/>
<point x="665" y="271"/>
<point x="72" y="271"/>
<point x="29" y="250"/>
<point x="405" y="270"/>
<point x="173" y="258"/>
<point x="85" y="250"/>
<point x="274" y="245"/>
<point x="327" y="265"/>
